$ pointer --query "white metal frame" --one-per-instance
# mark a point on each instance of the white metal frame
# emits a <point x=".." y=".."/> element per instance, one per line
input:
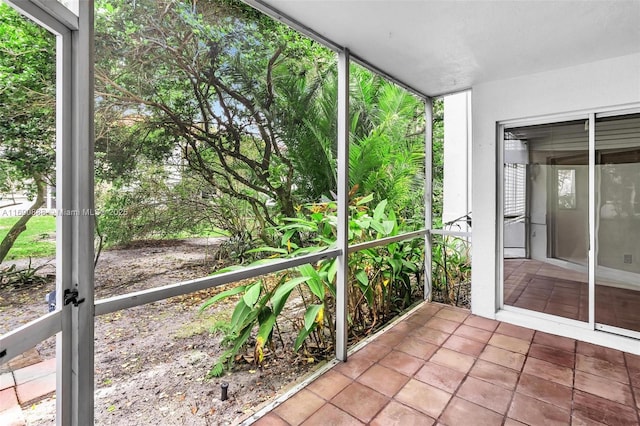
<point x="130" y="300"/>
<point x="342" y="276"/>
<point x="73" y="322"/>
<point x="592" y="220"/>
<point x="621" y="338"/>
<point x="428" y="196"/>
<point x="75" y="382"/>
<point x="74" y="241"/>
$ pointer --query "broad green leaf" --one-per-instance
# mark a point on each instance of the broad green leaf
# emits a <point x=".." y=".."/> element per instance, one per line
<point x="332" y="271"/>
<point x="230" y="269"/>
<point x="361" y="275"/>
<point x="286" y="237"/>
<point x="268" y="250"/>
<point x="367" y="291"/>
<point x="317" y="216"/>
<point x="302" y="336"/>
<point x="393" y="247"/>
<point x="370" y="252"/>
<point x="240" y="314"/>
<point x="264" y="262"/>
<point x="252" y="294"/>
<point x="310" y="315"/>
<point x="412" y="267"/>
<point x="297" y="220"/>
<point x="222" y="295"/>
<point x="396" y="264"/>
<point x="315" y="282"/>
<point x="266" y="327"/>
<point x="377" y="226"/>
<point x="246" y="333"/>
<point x="282" y="293"/>
<point x="387" y="227"/>
<point x="392" y="216"/>
<point x="307" y="250"/>
<point x="378" y="213"/>
<point x="365" y="200"/>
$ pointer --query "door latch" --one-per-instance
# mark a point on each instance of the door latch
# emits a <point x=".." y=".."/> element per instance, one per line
<point x="71" y="296"/>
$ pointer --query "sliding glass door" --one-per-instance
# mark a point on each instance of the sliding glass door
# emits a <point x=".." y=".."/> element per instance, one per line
<point x="617" y="295"/>
<point x="547" y="202"/>
<point x="546" y="237"/>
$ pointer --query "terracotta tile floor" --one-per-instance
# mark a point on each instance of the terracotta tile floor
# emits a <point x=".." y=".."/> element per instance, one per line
<point x="442" y="365"/>
<point x="542" y="287"/>
<point x="23" y="386"/>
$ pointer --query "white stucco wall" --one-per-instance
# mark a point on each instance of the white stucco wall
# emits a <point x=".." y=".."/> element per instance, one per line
<point x="592" y="87"/>
<point x="457" y="159"/>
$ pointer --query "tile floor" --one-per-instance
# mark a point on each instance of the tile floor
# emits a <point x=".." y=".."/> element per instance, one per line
<point x="541" y="287"/>
<point x="442" y="365"/>
<point x="23" y="386"/>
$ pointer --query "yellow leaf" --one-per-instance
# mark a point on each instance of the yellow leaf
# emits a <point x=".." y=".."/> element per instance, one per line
<point x="259" y="352"/>
<point x="320" y="315"/>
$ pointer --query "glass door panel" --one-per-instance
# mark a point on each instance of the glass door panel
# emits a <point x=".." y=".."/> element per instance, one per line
<point x="617" y="292"/>
<point x="546" y="218"/>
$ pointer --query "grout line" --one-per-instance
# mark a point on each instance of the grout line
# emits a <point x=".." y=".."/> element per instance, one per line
<point x="289" y="393"/>
<point x="323" y="369"/>
<point x="634" y="397"/>
<point x="573" y="377"/>
<point x="515" y="387"/>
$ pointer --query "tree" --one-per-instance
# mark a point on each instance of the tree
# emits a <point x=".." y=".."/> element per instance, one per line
<point x="220" y="79"/>
<point x="252" y="104"/>
<point x="27" y="111"/>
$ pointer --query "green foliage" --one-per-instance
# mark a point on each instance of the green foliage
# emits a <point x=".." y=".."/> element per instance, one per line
<point x="386" y="156"/>
<point x="247" y="103"/>
<point x="27" y="113"/>
<point x="27" y="102"/>
<point x="218" y="78"/>
<point x="451" y="268"/>
<point x="14" y="277"/>
<point x="155" y="206"/>
<point x="38" y="240"/>
<point x="384" y="280"/>
<point x="437" y="180"/>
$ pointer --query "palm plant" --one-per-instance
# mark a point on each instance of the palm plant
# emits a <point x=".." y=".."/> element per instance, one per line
<point x="386" y="155"/>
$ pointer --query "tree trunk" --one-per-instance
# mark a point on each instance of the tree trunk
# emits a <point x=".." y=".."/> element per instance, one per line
<point x="21" y="225"/>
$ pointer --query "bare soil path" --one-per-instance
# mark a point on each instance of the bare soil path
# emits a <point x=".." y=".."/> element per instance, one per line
<point x="151" y="361"/>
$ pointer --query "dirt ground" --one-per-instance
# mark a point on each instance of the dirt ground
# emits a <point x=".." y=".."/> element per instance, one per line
<point x="151" y="361"/>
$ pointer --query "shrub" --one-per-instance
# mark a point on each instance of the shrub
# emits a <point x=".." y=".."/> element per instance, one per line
<point x="383" y="280"/>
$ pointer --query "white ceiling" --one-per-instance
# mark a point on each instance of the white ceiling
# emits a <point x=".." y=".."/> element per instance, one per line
<point x="440" y="47"/>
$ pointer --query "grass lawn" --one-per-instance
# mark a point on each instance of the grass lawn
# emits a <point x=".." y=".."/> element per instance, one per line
<point x="37" y="241"/>
<point x="39" y="238"/>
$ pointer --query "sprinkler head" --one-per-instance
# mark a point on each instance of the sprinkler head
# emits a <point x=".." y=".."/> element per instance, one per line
<point x="224" y="386"/>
